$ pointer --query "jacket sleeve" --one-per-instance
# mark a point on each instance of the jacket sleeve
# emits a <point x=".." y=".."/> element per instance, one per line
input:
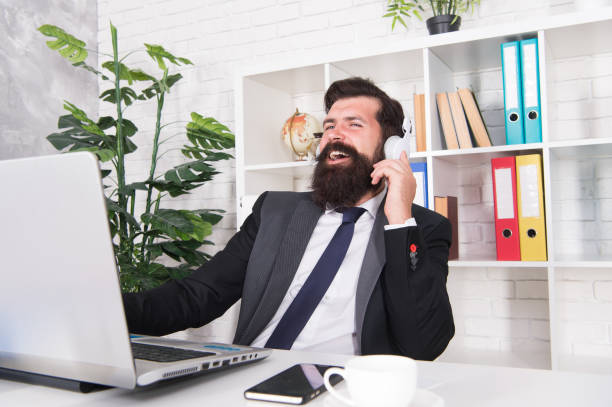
<point x="418" y="310"/>
<point x="200" y="297"/>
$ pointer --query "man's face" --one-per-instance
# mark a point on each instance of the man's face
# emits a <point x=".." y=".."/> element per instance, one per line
<point x="351" y="144"/>
<point x="352" y="121"/>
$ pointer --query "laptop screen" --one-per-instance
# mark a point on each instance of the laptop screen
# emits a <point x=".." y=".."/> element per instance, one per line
<point x="61" y="310"/>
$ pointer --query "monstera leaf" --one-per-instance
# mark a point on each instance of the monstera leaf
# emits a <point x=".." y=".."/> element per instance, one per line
<point x="83" y="134"/>
<point x="127" y="95"/>
<point x="161" y="86"/>
<point x="143" y="276"/>
<point x="206" y="133"/>
<point x="184" y="177"/>
<point x="68" y="46"/>
<point x="128" y="74"/>
<point x="158" y="53"/>
<point x="178" y="250"/>
<point x="209" y="216"/>
<point x="90" y="69"/>
<point x="113" y="206"/>
<point x="177" y="224"/>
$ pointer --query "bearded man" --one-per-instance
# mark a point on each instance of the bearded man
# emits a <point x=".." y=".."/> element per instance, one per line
<point x="351" y="267"/>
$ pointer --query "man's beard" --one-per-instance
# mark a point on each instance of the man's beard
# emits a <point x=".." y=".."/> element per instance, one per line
<point x="346" y="183"/>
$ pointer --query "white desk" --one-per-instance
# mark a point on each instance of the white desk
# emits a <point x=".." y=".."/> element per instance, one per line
<point x="458" y="384"/>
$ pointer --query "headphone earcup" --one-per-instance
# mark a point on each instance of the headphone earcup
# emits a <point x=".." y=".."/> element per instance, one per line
<point x="390" y="146"/>
<point x="394" y="147"/>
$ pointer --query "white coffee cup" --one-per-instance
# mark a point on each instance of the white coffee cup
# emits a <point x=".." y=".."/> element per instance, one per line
<point x="376" y="380"/>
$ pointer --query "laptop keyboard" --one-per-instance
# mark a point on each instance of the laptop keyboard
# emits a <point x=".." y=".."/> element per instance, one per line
<point x="157" y="353"/>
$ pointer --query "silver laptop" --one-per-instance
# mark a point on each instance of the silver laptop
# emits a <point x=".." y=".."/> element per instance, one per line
<point x="61" y="311"/>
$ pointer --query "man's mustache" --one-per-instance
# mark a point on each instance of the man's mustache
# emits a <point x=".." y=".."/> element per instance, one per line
<point x="337" y="146"/>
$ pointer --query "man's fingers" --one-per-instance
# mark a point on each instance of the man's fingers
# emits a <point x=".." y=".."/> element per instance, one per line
<point x="386" y="172"/>
<point x="397" y="164"/>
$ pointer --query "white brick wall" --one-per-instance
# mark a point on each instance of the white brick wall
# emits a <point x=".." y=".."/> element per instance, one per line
<point x="476" y="212"/>
<point x="580" y="97"/>
<point x="603" y="290"/>
<point x="496" y="309"/>
<point x="582" y="211"/>
<point x="584" y="303"/>
<point x="532" y="289"/>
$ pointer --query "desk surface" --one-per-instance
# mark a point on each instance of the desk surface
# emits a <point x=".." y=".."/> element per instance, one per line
<point x="458" y="384"/>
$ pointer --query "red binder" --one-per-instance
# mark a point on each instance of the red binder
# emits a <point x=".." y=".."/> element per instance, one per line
<point x="507" y="241"/>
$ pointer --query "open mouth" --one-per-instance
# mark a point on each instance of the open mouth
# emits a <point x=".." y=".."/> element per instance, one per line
<point x="336" y="156"/>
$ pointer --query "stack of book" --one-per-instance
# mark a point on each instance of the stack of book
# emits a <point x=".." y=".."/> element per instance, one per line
<point x="461" y="119"/>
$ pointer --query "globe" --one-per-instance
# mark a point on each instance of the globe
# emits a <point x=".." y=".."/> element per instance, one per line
<point x="301" y="133"/>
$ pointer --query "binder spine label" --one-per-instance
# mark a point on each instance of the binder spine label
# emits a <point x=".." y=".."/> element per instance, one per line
<point x="511" y="79"/>
<point x="530" y="75"/>
<point x="530" y="201"/>
<point x="503" y="193"/>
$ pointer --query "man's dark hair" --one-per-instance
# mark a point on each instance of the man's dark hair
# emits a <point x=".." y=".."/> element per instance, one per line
<point x="390" y="116"/>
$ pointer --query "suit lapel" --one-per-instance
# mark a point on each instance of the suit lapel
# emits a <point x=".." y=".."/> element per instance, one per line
<point x="287" y="260"/>
<point x="371" y="268"/>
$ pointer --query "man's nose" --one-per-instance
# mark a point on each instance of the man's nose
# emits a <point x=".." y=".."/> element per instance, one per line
<point x="336" y="134"/>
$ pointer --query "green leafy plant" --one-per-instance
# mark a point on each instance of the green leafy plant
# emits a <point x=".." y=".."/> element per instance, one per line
<point x="397" y="10"/>
<point x="141" y="240"/>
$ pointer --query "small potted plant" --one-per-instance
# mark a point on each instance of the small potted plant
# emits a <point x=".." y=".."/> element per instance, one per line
<point x="445" y="13"/>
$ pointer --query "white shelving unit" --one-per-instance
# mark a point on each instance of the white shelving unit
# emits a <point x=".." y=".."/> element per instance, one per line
<point x="268" y="95"/>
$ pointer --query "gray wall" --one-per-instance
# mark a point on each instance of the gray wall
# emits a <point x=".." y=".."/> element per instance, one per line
<point x="35" y="80"/>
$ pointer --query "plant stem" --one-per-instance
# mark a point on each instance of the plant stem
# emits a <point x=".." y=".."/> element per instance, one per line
<point x="133" y="204"/>
<point x="151" y="238"/>
<point x="124" y="244"/>
<point x="433" y="8"/>
<point x="160" y="106"/>
<point x="130" y="53"/>
<point x="167" y="151"/>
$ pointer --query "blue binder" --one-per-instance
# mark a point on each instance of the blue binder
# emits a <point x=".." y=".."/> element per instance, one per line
<point x="419" y="169"/>
<point x="531" y="91"/>
<point x="513" y="100"/>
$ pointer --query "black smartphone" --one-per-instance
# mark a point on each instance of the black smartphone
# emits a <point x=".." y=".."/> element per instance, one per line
<point x="297" y="385"/>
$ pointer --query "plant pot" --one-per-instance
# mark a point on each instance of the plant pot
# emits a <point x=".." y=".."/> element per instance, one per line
<point x="442" y="24"/>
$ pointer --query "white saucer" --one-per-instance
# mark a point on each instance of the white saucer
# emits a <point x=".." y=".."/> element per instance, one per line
<point x="422" y="398"/>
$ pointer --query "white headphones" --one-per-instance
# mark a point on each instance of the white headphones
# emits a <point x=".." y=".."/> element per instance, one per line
<point x="396" y="144"/>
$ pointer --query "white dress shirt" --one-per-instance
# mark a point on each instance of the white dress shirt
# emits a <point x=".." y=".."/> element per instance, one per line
<point x="331" y="328"/>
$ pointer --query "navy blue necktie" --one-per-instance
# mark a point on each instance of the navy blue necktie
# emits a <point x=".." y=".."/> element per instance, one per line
<point x="313" y="290"/>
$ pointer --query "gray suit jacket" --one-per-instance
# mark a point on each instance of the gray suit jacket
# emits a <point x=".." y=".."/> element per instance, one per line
<point x="401" y="304"/>
<point x="286" y="234"/>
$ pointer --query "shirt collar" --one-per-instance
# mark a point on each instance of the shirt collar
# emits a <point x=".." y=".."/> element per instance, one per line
<point x="371" y="205"/>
